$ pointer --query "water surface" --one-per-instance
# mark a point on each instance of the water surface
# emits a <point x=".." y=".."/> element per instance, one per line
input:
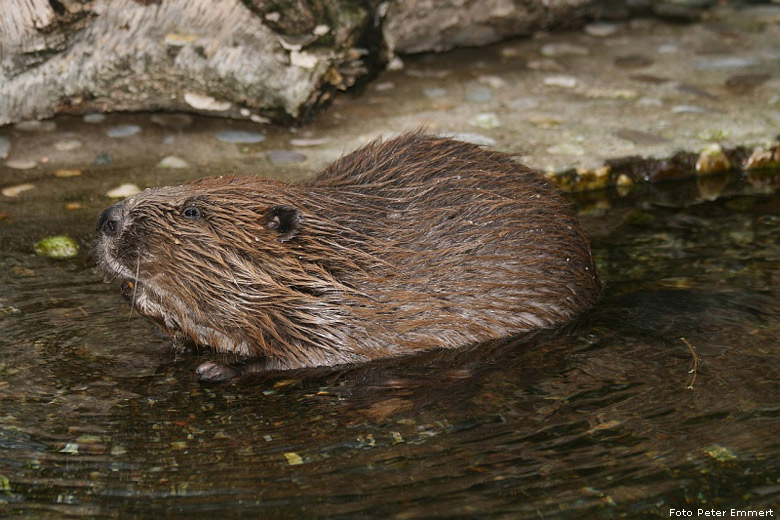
<point x="99" y="418"/>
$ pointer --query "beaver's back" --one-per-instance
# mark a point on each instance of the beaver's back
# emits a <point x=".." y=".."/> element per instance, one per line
<point x="464" y="234"/>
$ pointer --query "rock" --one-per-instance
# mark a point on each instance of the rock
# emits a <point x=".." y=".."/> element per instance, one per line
<point x="414" y="26"/>
<point x="712" y="160"/>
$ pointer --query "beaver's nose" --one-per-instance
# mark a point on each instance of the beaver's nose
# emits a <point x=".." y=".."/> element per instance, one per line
<point x="110" y="221"/>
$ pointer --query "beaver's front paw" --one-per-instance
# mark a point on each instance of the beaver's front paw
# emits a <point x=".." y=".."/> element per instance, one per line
<point x="213" y="372"/>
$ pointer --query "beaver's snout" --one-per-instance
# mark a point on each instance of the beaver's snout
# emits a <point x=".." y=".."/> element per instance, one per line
<point x="111" y="220"/>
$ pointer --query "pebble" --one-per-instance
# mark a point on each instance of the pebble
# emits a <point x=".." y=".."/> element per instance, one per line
<point x="712" y="160"/>
<point x="384" y="86"/>
<point x="492" y="81"/>
<point x="172" y="161"/>
<point x="5" y="147"/>
<point x="524" y="103"/>
<point x="434" y="92"/>
<point x="466" y="137"/>
<point x="745" y="83"/>
<point x="240" y="136"/>
<point x="60" y="247"/>
<point x="546" y="64"/>
<point x="694" y="91"/>
<point x="487" y="120"/>
<point x="94" y="118"/>
<point x="633" y="61"/>
<point x="649" y="102"/>
<point x="202" y="102"/>
<point x="20" y="164"/>
<point x="563" y="49"/>
<point x="103" y="159"/>
<point x="180" y="40"/>
<point x="479" y="95"/>
<point x="764" y="157"/>
<point x="601" y="29"/>
<point x="293" y="459"/>
<point x="611" y="93"/>
<point x="120" y="131"/>
<point x="640" y="138"/>
<point x="723" y="62"/>
<point x="303" y="59"/>
<point x="285" y="157"/>
<point x="260" y="120"/>
<point x="36" y="126"/>
<point x="561" y="81"/>
<point x="689" y="109"/>
<point x="67" y="145"/>
<point x="395" y="63"/>
<point x="567" y="149"/>
<point x="123" y="191"/>
<point x="14" y="191"/>
<point x="313" y="141"/>
<point x="714" y="134"/>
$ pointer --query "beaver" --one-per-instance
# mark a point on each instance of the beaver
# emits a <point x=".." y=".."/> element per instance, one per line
<point x="407" y="244"/>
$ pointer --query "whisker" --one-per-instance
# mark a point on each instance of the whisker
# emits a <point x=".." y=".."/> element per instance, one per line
<point x="135" y="286"/>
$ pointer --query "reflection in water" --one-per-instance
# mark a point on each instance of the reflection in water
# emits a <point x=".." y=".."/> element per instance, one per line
<point x="99" y="416"/>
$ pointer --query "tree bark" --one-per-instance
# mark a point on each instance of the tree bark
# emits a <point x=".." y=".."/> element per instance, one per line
<point x="207" y="56"/>
<point x="258" y="59"/>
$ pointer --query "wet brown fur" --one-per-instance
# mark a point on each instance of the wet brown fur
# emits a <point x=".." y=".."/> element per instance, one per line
<point x="408" y="244"/>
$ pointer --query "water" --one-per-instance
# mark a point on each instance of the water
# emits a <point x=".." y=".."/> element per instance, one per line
<point x="98" y="418"/>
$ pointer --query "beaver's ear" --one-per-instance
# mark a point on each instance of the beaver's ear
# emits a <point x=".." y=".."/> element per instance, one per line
<point x="285" y="220"/>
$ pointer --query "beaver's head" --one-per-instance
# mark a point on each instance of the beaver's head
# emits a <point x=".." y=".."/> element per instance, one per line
<point x="218" y="262"/>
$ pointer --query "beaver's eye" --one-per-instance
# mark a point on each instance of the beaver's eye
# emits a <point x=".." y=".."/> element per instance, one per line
<point x="191" y="213"/>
